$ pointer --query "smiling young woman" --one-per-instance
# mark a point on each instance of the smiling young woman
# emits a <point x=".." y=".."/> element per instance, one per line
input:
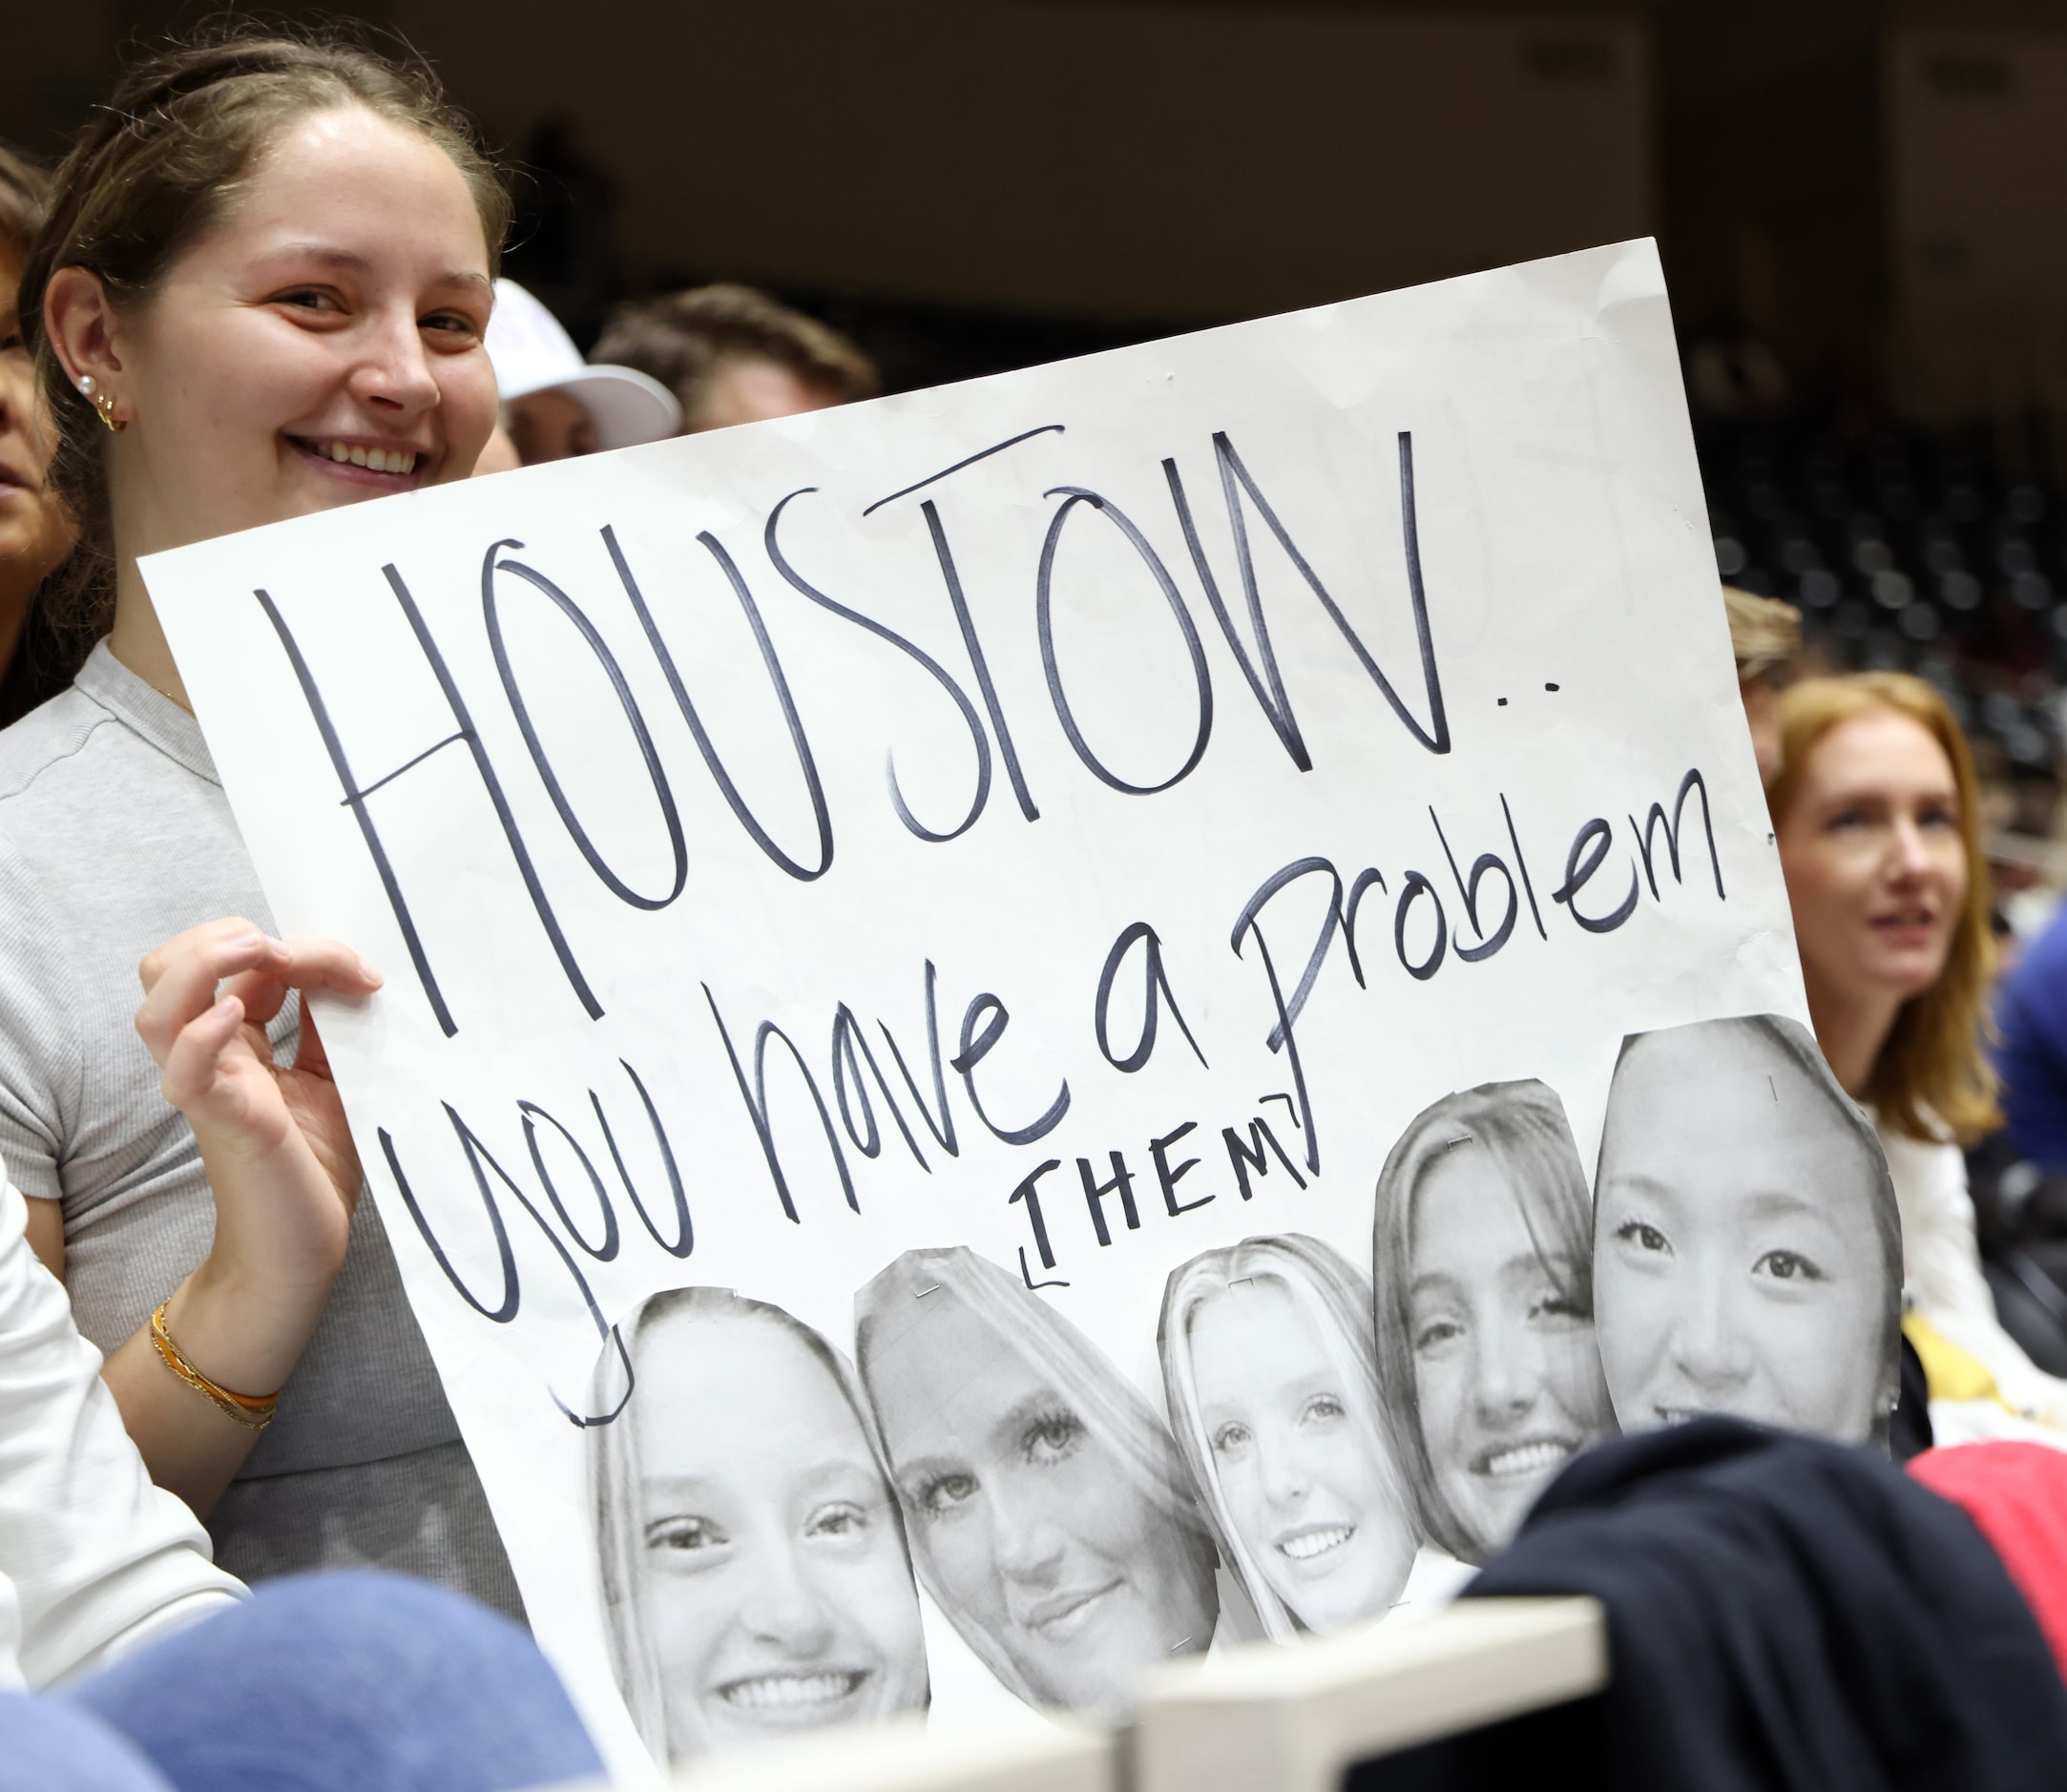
<point x="260" y="292"/>
<point x="1877" y="813"/>
<point x="275" y="261"/>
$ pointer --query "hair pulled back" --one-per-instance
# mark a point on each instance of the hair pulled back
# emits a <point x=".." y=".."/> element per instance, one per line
<point x="159" y="166"/>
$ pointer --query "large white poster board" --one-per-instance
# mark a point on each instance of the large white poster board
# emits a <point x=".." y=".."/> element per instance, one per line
<point x="948" y="869"/>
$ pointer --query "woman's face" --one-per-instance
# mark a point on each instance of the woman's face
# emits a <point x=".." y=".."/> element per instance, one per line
<point x="1738" y="1265"/>
<point x="1295" y="1448"/>
<point x="775" y="1588"/>
<point x="34" y="535"/>
<point x="1505" y="1370"/>
<point x="1875" y="866"/>
<point x="1037" y="1533"/>
<point x="322" y="344"/>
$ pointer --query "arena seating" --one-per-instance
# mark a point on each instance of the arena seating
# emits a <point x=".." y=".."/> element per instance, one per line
<point x="1907" y="552"/>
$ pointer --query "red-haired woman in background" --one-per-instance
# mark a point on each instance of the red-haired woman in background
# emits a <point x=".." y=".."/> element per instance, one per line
<point x="1876" y="811"/>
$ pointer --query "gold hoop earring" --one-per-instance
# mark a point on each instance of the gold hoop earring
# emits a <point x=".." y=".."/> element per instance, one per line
<point x="104" y="403"/>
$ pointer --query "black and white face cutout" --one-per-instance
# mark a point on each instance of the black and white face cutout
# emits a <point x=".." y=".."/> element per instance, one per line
<point x="1746" y="1249"/>
<point x="1036" y="1520"/>
<point x="1506" y="1368"/>
<point x="771" y="1584"/>
<point x="1483" y="1278"/>
<point x="1289" y="1435"/>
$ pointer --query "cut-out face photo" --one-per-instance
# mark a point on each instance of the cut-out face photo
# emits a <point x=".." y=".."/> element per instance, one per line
<point x="1747" y="1252"/>
<point x="753" y="1556"/>
<point x="1273" y="1392"/>
<point x="1050" y="1516"/>
<point x="1485" y="1308"/>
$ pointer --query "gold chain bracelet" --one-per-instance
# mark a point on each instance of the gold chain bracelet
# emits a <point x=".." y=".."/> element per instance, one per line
<point x="253" y="1413"/>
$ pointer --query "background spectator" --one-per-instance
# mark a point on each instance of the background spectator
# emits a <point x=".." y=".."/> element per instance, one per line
<point x="35" y="534"/>
<point x="1876" y="808"/>
<point x="553" y="404"/>
<point x="2030" y="1018"/>
<point x="734" y="355"/>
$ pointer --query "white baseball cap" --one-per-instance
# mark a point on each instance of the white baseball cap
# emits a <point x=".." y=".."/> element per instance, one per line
<point x="532" y="353"/>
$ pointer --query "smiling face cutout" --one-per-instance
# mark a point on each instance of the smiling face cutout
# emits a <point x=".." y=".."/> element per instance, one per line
<point x="1506" y="1372"/>
<point x="773" y="1583"/>
<point x="1293" y="1447"/>
<point x="1742" y="1247"/>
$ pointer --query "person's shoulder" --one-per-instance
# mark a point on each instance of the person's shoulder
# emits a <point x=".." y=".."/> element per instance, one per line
<point x="52" y="736"/>
<point x="49" y="738"/>
<point x="69" y="806"/>
<point x="78" y="781"/>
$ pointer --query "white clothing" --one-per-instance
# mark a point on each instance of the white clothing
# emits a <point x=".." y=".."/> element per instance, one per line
<point x="94" y="1560"/>
<point x="1942" y="1272"/>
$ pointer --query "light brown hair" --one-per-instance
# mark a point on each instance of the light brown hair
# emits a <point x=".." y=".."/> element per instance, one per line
<point x="686" y="339"/>
<point x="1765" y="633"/>
<point x="1932" y="1064"/>
<point x="153" y="170"/>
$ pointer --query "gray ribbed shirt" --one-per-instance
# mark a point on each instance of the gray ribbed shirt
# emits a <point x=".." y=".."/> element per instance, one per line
<point x="116" y="835"/>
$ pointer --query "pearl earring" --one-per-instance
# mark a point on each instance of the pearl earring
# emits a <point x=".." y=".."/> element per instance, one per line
<point x="104" y="403"/>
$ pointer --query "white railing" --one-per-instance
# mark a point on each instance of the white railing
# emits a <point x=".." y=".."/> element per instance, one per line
<point x="1261" y="1719"/>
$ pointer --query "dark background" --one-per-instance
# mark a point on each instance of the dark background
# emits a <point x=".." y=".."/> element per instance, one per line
<point x="1860" y="204"/>
<point x="974" y="183"/>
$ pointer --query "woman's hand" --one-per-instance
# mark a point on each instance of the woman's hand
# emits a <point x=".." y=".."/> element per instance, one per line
<point x="286" y="1177"/>
<point x="279" y="1154"/>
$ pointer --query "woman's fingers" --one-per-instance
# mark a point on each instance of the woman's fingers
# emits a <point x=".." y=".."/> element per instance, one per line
<point x="300" y="964"/>
<point x="325" y="965"/>
<point x="178" y="950"/>
<point x="184" y="978"/>
<point x="190" y="1067"/>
